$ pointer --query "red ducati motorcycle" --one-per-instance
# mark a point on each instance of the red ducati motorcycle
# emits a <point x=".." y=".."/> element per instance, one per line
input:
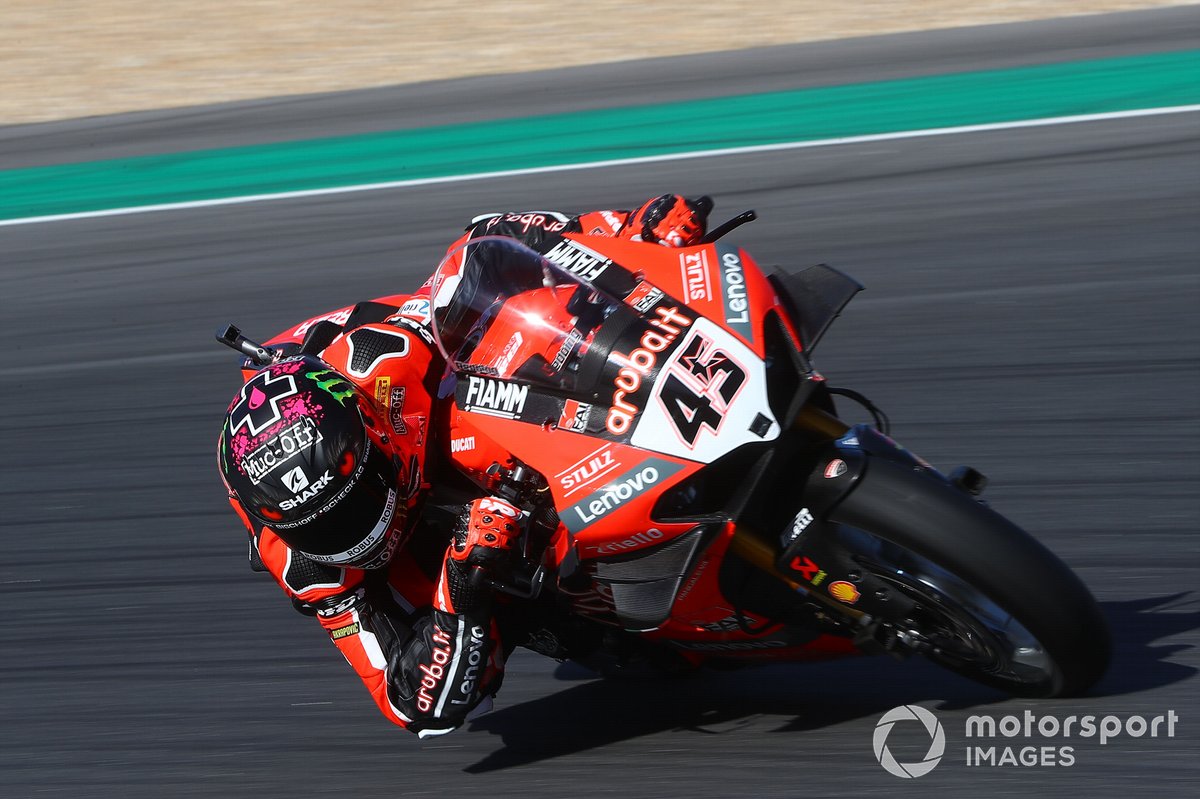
<point x="658" y="414"/>
<point x="691" y="488"/>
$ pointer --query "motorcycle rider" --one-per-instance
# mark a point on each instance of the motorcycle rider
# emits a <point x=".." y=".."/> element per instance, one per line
<point x="325" y="455"/>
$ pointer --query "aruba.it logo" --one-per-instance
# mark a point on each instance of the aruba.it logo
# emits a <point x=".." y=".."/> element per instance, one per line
<point x="937" y="741"/>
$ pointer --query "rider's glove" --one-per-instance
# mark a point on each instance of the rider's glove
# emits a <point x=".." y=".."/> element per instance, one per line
<point x="670" y="220"/>
<point x="482" y="547"/>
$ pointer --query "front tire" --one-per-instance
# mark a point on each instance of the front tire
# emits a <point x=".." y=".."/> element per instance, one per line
<point x="993" y="604"/>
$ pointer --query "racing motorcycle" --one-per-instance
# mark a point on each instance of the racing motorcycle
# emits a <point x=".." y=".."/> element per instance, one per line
<point x="691" y="487"/>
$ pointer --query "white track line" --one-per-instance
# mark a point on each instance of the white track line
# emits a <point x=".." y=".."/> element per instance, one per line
<point x="758" y="148"/>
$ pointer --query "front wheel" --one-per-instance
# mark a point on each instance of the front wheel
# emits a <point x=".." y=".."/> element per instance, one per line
<point x="982" y="597"/>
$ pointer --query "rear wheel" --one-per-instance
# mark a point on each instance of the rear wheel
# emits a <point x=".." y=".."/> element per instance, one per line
<point x="987" y="600"/>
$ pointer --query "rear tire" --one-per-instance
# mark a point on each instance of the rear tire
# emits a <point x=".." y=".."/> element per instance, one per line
<point x="990" y="557"/>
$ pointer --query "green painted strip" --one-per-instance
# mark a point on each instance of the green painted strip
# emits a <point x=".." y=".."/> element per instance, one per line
<point x="972" y="98"/>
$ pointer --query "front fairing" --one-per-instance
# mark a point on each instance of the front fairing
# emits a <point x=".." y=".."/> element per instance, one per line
<point x="603" y="348"/>
<point x="588" y="366"/>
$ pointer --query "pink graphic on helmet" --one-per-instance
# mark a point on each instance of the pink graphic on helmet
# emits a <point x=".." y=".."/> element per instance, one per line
<point x="291" y="410"/>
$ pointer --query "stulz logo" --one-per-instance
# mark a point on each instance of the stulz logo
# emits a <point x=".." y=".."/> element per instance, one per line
<point x="495" y="397"/>
<point x="694" y="269"/>
<point x="587" y="470"/>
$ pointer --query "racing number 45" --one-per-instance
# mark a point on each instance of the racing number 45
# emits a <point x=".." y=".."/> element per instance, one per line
<point x="699" y="388"/>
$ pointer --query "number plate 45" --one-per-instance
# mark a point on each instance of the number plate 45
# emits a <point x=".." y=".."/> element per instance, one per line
<point x="707" y="398"/>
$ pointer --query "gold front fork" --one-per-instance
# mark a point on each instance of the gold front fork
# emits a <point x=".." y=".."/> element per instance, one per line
<point x="751" y="547"/>
<point x="754" y="550"/>
<point x="814" y="419"/>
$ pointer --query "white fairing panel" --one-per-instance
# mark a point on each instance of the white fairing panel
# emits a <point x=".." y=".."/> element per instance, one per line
<point x="709" y="398"/>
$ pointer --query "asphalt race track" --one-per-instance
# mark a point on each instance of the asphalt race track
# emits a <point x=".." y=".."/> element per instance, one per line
<point x="1031" y="310"/>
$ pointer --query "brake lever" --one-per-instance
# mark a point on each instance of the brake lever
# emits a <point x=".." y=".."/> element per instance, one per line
<point x="522" y="586"/>
<point x="725" y="227"/>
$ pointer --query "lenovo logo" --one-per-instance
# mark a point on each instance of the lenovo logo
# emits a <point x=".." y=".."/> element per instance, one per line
<point x="618" y="493"/>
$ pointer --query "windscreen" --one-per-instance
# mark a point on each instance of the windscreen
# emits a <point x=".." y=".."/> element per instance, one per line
<point x="501" y="309"/>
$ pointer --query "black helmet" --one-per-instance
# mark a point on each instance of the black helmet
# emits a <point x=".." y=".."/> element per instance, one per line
<point x="302" y="451"/>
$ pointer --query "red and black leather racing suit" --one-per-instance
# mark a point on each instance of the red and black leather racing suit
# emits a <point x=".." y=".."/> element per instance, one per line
<point x="429" y="650"/>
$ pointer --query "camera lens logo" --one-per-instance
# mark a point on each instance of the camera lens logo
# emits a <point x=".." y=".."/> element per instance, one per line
<point x="937" y="745"/>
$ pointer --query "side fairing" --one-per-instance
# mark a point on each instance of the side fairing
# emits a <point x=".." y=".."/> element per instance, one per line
<point x="603" y="490"/>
